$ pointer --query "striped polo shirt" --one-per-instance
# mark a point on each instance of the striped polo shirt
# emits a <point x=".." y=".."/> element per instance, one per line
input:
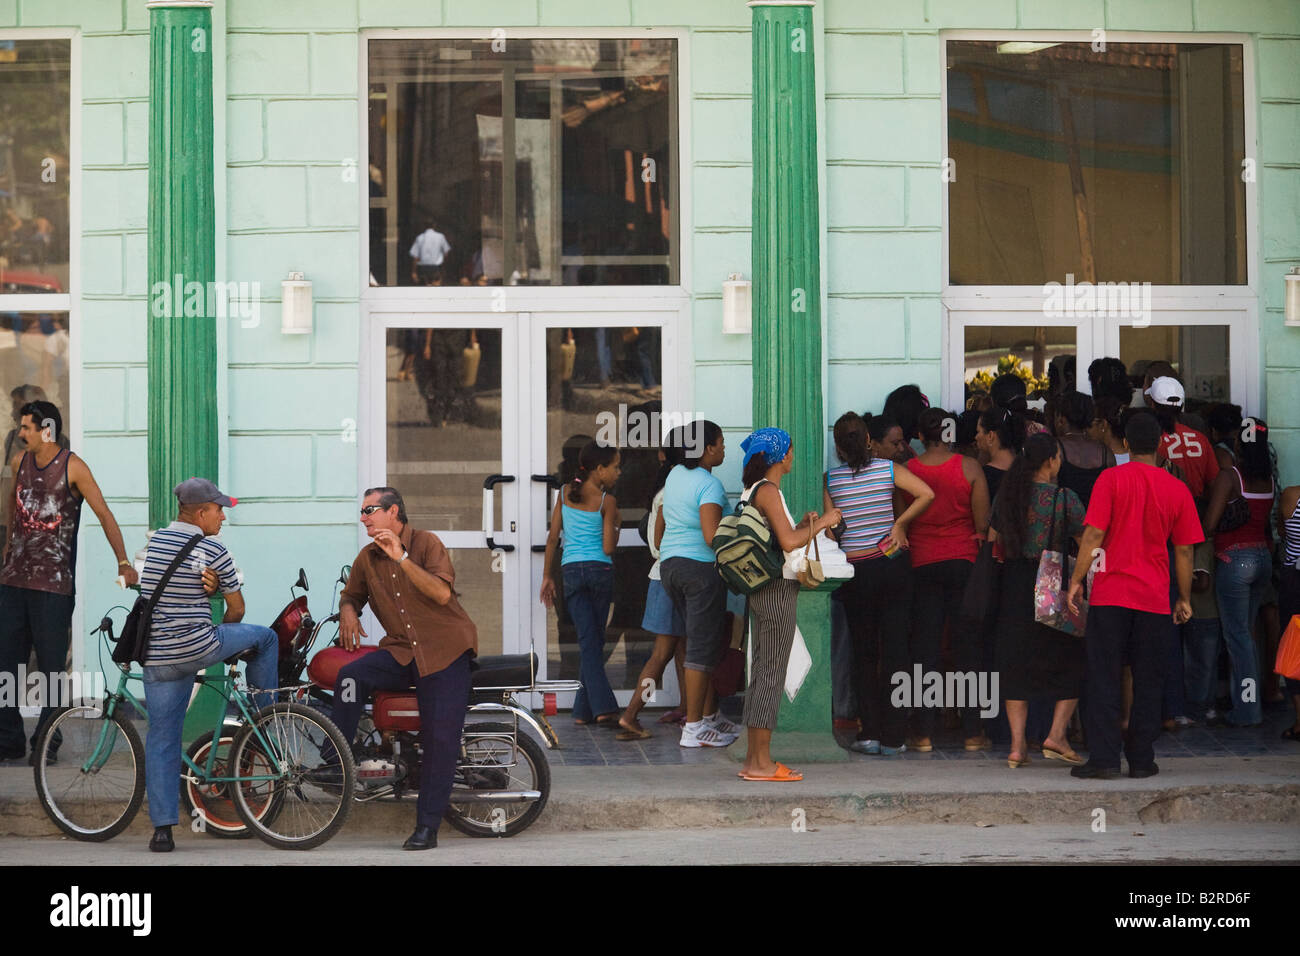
<point x="182" y="629"/>
<point x="866" y="500"/>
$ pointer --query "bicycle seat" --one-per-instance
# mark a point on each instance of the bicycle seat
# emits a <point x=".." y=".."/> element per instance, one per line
<point x="504" y="670"/>
<point x="244" y="655"/>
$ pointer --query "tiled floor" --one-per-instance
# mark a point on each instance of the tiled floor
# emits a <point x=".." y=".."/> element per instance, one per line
<point x="596" y="746"/>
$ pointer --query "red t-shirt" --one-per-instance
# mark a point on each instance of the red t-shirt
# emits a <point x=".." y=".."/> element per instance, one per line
<point x="1194" y="454"/>
<point x="1140" y="507"/>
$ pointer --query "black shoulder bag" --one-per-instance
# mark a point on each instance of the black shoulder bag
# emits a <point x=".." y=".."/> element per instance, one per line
<point x="133" y="644"/>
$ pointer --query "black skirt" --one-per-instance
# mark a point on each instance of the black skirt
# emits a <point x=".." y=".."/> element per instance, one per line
<point x="1034" y="661"/>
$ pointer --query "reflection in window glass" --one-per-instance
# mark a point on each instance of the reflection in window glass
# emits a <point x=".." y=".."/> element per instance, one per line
<point x="1115" y="165"/>
<point x="587" y="195"/>
<point x="34" y="151"/>
<point x="33" y="367"/>
<point x="444" y="423"/>
<point x="1026" y="351"/>
<point x="1199" y="353"/>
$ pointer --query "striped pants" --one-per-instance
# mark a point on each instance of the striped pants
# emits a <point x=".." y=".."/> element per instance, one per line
<point x="772" y="611"/>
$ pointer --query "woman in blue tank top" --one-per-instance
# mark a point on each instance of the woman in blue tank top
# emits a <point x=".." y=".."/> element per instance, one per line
<point x="587" y="514"/>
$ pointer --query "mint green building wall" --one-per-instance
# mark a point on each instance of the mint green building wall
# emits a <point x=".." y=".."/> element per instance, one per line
<point x="290" y="122"/>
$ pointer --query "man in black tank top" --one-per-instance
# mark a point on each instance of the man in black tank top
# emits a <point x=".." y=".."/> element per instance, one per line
<point x="40" y="557"/>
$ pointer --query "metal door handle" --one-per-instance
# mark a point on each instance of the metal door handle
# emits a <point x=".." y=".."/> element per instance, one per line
<point x="489" y="483"/>
<point x="552" y="483"/>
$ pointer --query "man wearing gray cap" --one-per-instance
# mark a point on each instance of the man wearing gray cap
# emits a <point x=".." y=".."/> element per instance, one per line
<point x="183" y="641"/>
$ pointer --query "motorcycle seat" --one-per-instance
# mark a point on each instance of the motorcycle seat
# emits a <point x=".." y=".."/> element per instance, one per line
<point x="504" y="670"/>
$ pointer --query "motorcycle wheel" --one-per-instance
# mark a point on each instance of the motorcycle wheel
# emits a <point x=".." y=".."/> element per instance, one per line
<point x="213" y="800"/>
<point x="486" y="765"/>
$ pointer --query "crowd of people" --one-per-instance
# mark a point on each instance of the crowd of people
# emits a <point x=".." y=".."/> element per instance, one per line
<point x="1166" y="517"/>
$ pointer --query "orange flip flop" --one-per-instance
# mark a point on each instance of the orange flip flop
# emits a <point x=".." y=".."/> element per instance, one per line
<point x="783" y="775"/>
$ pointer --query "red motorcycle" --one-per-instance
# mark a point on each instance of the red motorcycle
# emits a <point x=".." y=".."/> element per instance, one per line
<point x="503" y="778"/>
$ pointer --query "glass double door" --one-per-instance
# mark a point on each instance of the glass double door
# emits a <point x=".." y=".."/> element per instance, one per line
<point x="482" y="418"/>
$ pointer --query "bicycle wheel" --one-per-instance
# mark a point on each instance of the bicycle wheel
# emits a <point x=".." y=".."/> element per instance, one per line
<point x="92" y="784"/>
<point x="313" y="789"/>
<point x="215" y="806"/>
<point x="494" y="757"/>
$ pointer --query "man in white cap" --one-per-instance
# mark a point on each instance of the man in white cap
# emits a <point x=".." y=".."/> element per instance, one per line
<point x="1192" y="451"/>
<point x="183" y="640"/>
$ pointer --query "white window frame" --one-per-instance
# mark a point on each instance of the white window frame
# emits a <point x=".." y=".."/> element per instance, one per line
<point x="1170" y="304"/>
<point x="68" y="301"/>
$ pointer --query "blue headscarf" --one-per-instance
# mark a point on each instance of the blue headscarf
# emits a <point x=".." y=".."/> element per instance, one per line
<point x="771" y="443"/>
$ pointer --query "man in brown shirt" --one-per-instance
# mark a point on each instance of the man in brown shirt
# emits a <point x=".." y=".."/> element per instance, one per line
<point x="407" y="579"/>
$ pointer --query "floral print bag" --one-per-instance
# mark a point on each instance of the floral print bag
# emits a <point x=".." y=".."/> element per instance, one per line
<point x="1055" y="567"/>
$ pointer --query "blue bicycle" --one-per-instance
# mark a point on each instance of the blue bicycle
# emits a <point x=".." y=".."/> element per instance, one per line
<point x="286" y="769"/>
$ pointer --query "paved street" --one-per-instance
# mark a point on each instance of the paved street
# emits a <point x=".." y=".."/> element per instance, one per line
<point x="842" y="843"/>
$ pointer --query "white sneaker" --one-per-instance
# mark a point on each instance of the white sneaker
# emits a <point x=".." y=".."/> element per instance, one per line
<point x="700" y="734"/>
<point x="722" y="725"/>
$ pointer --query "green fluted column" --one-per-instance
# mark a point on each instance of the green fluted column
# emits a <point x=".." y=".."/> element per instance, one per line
<point x="787" y="322"/>
<point x="182" y="348"/>
<point x="182" y="344"/>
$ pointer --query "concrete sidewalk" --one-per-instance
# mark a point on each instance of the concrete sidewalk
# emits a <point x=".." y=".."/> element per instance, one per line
<point x="865" y="791"/>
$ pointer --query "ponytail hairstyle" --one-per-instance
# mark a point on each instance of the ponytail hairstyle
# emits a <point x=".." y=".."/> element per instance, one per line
<point x="1167" y="416"/>
<point x="593" y="455"/>
<point x="695" y="437"/>
<point x="1252" y="449"/>
<point x="1110" y="410"/>
<point x="672" y="458"/>
<point x="1012" y="507"/>
<point x="1007" y="425"/>
<point x="755" y="471"/>
<point x="851" y="434"/>
<point x="933" y="423"/>
<point x="1008" y="391"/>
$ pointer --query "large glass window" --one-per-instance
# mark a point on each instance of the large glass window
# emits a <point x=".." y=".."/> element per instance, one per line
<point x="1123" y="163"/>
<point x="588" y="194"/>
<point x="34" y="156"/>
<point x="35" y="109"/>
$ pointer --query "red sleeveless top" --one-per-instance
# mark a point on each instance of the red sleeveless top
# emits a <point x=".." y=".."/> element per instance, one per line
<point x="945" y="530"/>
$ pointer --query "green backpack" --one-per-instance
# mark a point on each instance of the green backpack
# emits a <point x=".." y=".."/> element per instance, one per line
<point x="747" y="556"/>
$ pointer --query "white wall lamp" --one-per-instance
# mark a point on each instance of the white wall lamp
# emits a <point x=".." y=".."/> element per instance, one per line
<point x="736" y="305"/>
<point x="295" y="305"/>
<point x="1292" y="297"/>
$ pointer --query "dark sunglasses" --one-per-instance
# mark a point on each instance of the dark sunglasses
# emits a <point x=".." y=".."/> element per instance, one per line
<point x="371" y="509"/>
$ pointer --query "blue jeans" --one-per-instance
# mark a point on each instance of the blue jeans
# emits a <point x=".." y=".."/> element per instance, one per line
<point x="167" y="695"/>
<point x="588" y="591"/>
<point x="604" y="358"/>
<point x="1200" y="664"/>
<point x="1240" y="584"/>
